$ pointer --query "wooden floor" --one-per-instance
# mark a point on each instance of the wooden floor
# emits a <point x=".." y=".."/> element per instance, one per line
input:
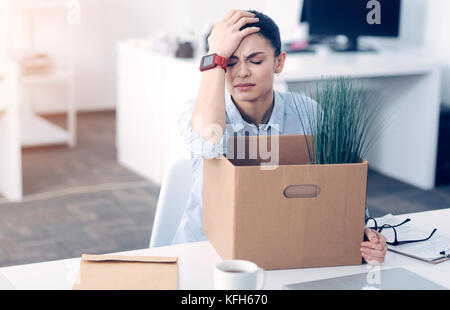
<point x="110" y="209"/>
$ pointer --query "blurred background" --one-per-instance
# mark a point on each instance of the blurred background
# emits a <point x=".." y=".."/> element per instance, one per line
<point x="90" y="91"/>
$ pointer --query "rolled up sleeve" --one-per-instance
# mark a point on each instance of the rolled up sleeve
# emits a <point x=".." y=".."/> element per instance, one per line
<point x="198" y="147"/>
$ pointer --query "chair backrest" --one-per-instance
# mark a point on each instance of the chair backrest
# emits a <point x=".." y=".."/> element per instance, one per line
<point x="174" y="193"/>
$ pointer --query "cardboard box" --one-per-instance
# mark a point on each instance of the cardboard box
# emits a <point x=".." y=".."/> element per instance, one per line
<point x="247" y="213"/>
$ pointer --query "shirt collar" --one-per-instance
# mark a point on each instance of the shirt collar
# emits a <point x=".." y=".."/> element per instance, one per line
<point x="233" y="113"/>
<point x="276" y="118"/>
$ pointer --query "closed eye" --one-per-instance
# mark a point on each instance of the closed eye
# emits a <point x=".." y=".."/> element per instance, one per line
<point x="253" y="62"/>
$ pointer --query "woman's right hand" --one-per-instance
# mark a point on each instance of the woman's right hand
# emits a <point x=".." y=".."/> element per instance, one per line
<point x="226" y="36"/>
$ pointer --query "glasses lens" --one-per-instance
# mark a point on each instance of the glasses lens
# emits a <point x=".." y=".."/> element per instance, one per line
<point x="389" y="232"/>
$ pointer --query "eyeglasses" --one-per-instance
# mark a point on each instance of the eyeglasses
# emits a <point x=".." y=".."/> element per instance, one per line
<point x="395" y="242"/>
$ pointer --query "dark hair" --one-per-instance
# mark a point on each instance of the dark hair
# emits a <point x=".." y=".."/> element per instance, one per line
<point x="268" y="29"/>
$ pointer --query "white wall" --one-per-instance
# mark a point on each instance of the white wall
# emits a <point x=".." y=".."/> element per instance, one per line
<point x="4" y="24"/>
<point x="424" y="26"/>
<point x="437" y="40"/>
<point x="91" y="45"/>
<point x="284" y="13"/>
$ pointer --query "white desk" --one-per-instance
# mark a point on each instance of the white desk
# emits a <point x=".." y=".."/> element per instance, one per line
<point x="197" y="261"/>
<point x="152" y="88"/>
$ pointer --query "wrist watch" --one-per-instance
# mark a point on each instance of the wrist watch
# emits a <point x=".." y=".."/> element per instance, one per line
<point x="211" y="61"/>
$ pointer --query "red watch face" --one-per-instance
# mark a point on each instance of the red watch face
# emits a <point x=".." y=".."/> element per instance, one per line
<point x="208" y="61"/>
<point x="211" y="61"/>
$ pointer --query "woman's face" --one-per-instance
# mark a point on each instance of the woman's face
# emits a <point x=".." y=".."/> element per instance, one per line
<point x="251" y="69"/>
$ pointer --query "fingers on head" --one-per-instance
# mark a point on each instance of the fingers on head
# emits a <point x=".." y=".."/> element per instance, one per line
<point x="238" y="14"/>
<point x="244" y="21"/>
<point x="248" y="31"/>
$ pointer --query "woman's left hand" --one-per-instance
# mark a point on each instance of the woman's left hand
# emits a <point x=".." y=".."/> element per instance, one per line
<point x="374" y="250"/>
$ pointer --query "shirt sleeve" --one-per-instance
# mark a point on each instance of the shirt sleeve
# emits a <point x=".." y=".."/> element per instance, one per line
<point x="198" y="147"/>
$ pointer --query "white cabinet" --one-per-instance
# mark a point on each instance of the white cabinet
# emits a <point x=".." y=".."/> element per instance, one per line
<point x="151" y="91"/>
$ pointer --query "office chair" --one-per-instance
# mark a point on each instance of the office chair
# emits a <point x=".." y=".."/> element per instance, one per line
<point x="174" y="193"/>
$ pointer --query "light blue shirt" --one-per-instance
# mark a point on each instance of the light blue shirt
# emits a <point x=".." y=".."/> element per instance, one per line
<point x="284" y="121"/>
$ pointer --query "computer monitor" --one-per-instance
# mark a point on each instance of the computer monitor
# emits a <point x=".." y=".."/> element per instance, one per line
<point x="352" y="18"/>
<point x="313" y="39"/>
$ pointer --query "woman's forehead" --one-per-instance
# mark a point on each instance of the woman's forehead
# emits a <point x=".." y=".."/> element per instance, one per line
<point x="253" y="43"/>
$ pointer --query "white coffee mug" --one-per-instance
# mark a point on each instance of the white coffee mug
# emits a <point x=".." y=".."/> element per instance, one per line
<point x="238" y="275"/>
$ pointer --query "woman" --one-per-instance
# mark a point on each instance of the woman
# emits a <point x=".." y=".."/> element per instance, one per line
<point x="248" y="42"/>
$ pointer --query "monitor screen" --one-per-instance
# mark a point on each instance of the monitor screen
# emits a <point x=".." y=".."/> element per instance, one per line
<point x="352" y="17"/>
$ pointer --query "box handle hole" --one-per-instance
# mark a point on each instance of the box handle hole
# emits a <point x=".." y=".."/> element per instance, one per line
<point x="301" y="191"/>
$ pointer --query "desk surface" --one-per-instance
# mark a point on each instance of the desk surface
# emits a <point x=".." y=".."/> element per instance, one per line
<point x="197" y="261"/>
<point x="359" y="65"/>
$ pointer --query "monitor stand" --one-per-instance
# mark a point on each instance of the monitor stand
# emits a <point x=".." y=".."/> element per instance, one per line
<point x="350" y="46"/>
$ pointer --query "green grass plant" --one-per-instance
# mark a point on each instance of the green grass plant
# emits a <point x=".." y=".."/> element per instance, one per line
<point x="342" y="118"/>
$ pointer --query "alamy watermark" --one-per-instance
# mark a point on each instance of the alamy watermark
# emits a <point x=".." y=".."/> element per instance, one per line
<point x="253" y="148"/>
<point x="373" y="276"/>
<point x="73" y="12"/>
<point x="374" y="15"/>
